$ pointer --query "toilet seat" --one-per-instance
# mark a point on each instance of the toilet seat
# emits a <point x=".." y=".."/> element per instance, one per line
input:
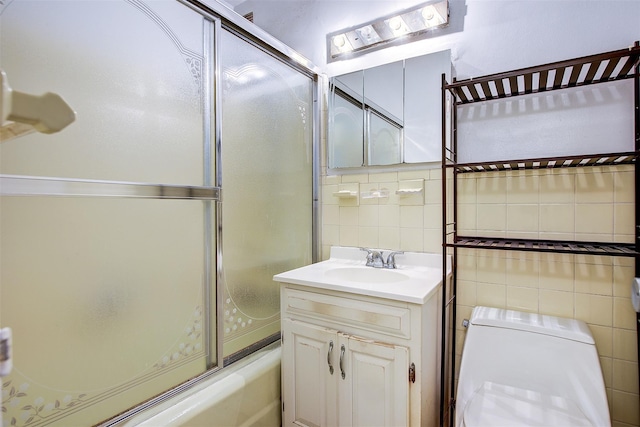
<point x="501" y="405"/>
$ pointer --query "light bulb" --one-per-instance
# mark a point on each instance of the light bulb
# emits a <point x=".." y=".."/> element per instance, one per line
<point x="339" y="40"/>
<point x="428" y="13"/>
<point x="395" y="23"/>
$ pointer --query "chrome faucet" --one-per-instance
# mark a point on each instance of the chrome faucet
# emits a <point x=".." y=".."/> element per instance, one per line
<point x="376" y="260"/>
<point x="391" y="259"/>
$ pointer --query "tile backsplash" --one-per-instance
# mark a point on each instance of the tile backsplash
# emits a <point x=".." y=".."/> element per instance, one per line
<point x="408" y="220"/>
<point x="586" y="204"/>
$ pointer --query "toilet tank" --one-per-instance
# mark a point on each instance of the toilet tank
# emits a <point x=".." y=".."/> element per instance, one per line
<point x="546" y="354"/>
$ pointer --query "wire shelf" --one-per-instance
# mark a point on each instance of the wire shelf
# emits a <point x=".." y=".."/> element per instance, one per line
<point x="557" y="246"/>
<point x="610" y="159"/>
<point x="605" y="67"/>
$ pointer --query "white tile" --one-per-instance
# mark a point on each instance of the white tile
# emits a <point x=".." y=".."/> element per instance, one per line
<point x="594" y="279"/>
<point x="383" y="177"/>
<point x="492" y="217"/>
<point x="522" y="218"/>
<point x="361" y="178"/>
<point x="594" y="309"/>
<point x="491" y="190"/>
<point x="522" y="299"/>
<point x="331" y="214"/>
<point x="557" y="188"/>
<point x="389" y="215"/>
<point x="349" y="235"/>
<point x="368" y="237"/>
<point x="594" y="187"/>
<point x="594" y="218"/>
<point x="557" y="218"/>
<point x="523" y="189"/>
<point x="412" y="239"/>
<point x="368" y="215"/>
<point x="433" y="241"/>
<point x="624" y="187"/>
<point x="389" y="237"/>
<point x="432" y="216"/>
<point x="624" y="219"/>
<point x="522" y="272"/>
<point x="412" y="216"/>
<point x="349" y="215"/>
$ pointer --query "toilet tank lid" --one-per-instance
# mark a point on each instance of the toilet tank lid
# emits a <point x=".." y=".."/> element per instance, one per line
<point x="571" y="329"/>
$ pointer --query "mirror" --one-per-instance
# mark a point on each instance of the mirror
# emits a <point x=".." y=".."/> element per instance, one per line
<point x="389" y="114"/>
<point x="346" y="121"/>
<point x="383" y="94"/>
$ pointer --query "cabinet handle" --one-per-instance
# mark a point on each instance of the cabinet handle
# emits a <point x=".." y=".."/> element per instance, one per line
<point x="329" y="357"/>
<point x="342" y="361"/>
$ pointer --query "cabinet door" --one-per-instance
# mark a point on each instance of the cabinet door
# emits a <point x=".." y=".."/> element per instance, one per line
<point x="309" y="386"/>
<point x="375" y="387"/>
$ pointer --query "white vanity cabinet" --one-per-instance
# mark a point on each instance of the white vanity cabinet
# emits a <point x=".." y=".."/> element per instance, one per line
<point x="354" y="360"/>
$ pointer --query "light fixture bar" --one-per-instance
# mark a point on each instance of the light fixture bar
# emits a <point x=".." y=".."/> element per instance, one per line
<point x="401" y="27"/>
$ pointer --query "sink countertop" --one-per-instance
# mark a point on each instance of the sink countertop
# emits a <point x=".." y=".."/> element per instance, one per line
<point x="416" y="278"/>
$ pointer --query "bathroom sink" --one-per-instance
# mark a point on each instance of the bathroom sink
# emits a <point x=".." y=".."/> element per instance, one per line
<point x="366" y="274"/>
<point x="417" y="276"/>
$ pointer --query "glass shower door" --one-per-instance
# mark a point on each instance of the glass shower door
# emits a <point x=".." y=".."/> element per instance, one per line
<point x="104" y="258"/>
<point x="266" y="179"/>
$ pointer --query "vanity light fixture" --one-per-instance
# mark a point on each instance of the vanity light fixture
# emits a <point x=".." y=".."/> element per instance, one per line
<point x="402" y="27"/>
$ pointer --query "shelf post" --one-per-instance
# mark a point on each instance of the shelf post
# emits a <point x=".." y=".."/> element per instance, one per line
<point x="443" y="338"/>
<point x="636" y="104"/>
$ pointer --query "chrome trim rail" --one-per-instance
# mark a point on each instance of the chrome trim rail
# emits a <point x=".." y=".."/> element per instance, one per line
<point x="217" y="177"/>
<point x="211" y="336"/>
<point x="17" y="185"/>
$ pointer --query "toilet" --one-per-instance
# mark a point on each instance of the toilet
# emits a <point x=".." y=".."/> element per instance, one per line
<point x="525" y="369"/>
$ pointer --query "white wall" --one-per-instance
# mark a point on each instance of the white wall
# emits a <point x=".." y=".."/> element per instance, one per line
<point x="485" y="36"/>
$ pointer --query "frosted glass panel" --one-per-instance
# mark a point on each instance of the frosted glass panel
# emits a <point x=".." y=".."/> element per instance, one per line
<point x="266" y="184"/>
<point x="132" y="72"/>
<point x="560" y="123"/>
<point x="105" y="299"/>
<point x="105" y="296"/>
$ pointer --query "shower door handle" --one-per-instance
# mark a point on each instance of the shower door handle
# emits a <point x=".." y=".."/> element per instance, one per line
<point x="329" y="357"/>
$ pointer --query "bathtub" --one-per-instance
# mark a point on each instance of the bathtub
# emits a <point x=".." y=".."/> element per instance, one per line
<point x="245" y="394"/>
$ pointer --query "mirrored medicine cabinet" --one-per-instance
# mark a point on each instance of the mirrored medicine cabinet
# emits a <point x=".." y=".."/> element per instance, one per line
<point x="389" y="114"/>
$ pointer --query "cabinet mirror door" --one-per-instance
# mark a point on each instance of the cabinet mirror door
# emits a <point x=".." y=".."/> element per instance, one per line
<point x="388" y="115"/>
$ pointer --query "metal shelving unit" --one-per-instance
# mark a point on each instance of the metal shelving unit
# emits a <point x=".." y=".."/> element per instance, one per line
<point x="611" y="159"/>
<point x="558" y="246"/>
<point x="594" y="69"/>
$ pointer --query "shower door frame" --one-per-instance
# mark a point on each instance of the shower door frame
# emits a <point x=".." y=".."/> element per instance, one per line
<point x="223" y="19"/>
<point x="217" y="18"/>
<point x="237" y="26"/>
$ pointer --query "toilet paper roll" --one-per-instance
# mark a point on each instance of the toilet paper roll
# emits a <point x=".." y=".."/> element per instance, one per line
<point x="635" y="294"/>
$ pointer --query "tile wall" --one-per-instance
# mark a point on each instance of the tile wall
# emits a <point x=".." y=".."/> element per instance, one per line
<point x="401" y="222"/>
<point x="594" y="204"/>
